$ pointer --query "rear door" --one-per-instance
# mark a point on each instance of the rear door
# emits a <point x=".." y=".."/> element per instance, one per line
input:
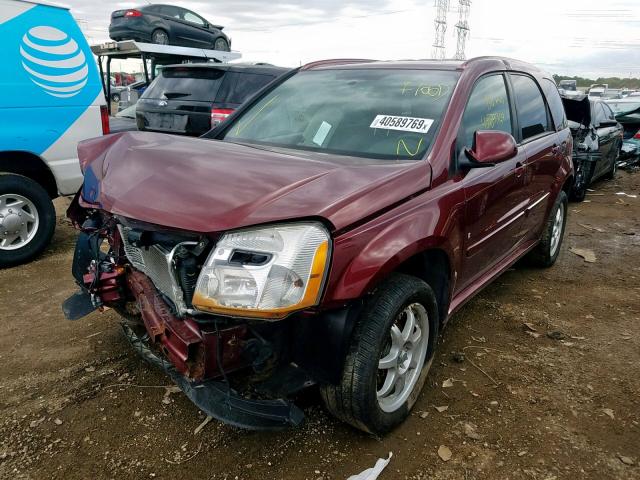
<point x="180" y="100"/>
<point x="198" y="30"/>
<point x="494" y="203"/>
<point x="537" y="136"/>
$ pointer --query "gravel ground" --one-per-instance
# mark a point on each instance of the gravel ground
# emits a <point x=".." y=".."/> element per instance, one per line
<point x="544" y="368"/>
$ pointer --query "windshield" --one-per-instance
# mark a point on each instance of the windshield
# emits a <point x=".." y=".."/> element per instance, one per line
<point x="381" y="113"/>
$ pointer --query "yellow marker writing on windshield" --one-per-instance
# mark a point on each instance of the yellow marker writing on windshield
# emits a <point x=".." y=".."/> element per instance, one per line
<point x="242" y="126"/>
<point x="406" y="148"/>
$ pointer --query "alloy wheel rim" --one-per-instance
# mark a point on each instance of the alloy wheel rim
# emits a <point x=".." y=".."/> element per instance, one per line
<point x="402" y="360"/>
<point x="557" y="229"/>
<point x="19" y="221"/>
<point x="161" y="38"/>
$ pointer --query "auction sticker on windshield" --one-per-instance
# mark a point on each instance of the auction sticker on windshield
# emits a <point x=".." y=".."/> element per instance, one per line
<point x="405" y="124"/>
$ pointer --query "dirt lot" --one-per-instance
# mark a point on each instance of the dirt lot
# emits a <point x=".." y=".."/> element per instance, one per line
<point x="526" y="403"/>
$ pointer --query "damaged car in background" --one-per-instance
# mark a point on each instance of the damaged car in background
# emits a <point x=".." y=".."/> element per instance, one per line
<point x="325" y="233"/>
<point x="627" y="113"/>
<point x="597" y="140"/>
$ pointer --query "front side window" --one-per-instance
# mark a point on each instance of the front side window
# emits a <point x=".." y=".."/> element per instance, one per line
<point x="530" y="107"/>
<point x="487" y="109"/>
<point x="376" y="113"/>
<point x="193" y="18"/>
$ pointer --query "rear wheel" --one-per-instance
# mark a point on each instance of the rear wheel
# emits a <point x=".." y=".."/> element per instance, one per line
<point x="27" y="219"/>
<point x="611" y="174"/>
<point x="547" y="251"/>
<point x="160" y="37"/>
<point x="389" y="357"/>
<point x="221" y="44"/>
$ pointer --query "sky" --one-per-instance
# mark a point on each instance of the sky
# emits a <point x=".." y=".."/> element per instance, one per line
<point x="589" y="38"/>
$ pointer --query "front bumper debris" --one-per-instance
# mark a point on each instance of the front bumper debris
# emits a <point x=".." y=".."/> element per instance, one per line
<point x="220" y="401"/>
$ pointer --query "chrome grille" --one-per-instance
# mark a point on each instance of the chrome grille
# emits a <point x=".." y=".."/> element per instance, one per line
<point x="157" y="263"/>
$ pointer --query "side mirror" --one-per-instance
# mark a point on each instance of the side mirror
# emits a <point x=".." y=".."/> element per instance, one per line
<point x="490" y="147"/>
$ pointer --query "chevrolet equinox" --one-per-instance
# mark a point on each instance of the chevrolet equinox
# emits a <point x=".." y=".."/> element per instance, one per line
<point x="325" y="233"/>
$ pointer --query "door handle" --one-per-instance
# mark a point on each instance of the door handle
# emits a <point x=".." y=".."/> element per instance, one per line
<point x="520" y="167"/>
<point x="557" y="150"/>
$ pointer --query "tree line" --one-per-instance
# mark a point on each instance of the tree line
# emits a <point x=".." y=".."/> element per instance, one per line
<point x="613" y="82"/>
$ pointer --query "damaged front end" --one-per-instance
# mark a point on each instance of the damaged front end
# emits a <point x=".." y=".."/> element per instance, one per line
<point x="236" y="369"/>
<point x="586" y="148"/>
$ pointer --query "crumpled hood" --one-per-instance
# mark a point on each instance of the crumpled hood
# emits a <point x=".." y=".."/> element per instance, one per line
<point x="211" y="186"/>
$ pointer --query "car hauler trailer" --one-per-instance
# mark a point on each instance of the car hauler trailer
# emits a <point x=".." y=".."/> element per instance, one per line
<point x="152" y="55"/>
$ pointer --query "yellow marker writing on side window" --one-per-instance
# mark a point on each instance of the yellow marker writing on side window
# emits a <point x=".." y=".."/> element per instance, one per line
<point x="402" y="143"/>
<point x="241" y="126"/>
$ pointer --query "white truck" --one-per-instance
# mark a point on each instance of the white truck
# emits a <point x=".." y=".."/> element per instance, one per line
<point x="51" y="99"/>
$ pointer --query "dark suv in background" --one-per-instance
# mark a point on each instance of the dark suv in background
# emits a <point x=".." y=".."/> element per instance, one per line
<point x="167" y="25"/>
<point x="191" y="99"/>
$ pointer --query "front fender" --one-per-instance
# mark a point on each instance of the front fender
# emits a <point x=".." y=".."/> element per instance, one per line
<point x="364" y="257"/>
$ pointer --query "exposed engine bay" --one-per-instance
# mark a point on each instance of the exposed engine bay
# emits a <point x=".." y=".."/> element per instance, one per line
<point x="237" y="370"/>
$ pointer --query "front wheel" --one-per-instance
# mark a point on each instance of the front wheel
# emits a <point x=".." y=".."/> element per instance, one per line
<point x="546" y="252"/>
<point x="583" y="174"/>
<point x="221" y="44"/>
<point x="389" y="357"/>
<point x="27" y="219"/>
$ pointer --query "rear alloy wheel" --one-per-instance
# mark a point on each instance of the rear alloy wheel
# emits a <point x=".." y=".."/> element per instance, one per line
<point x="27" y="219"/>
<point x="221" y="45"/>
<point x="547" y="251"/>
<point x="389" y="357"/>
<point x="160" y="37"/>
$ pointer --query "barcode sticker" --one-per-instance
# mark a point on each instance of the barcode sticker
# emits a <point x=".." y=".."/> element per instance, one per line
<point x="405" y="124"/>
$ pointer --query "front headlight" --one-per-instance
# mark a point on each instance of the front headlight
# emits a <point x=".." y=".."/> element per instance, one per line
<point x="265" y="272"/>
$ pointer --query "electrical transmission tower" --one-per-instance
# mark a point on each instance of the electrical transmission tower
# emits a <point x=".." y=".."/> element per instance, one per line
<point x="442" y="6"/>
<point x="463" y="28"/>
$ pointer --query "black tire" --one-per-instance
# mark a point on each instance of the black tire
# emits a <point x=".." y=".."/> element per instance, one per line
<point x="354" y="399"/>
<point x="583" y="177"/>
<point x="19" y="185"/>
<point x="543" y="255"/>
<point x="160" y="37"/>
<point x="611" y="174"/>
<point x="221" y="44"/>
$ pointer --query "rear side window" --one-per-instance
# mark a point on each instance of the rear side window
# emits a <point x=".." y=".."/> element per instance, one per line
<point x="243" y="86"/>
<point x="488" y="109"/>
<point x="195" y="84"/>
<point x="530" y="106"/>
<point x="555" y="104"/>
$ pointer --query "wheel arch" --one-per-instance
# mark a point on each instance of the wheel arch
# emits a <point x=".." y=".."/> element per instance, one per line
<point x="31" y="166"/>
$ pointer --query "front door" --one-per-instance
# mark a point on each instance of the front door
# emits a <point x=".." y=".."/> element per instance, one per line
<point x="494" y="199"/>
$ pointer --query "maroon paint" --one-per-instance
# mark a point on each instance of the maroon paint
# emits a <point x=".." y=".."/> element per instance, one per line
<point x="492" y="146"/>
<point x="381" y="213"/>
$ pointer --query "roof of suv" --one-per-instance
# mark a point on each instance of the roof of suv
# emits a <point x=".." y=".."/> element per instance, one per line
<point x="480" y="63"/>
<point x="233" y="67"/>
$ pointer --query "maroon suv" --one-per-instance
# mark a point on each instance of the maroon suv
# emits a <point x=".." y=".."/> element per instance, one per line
<point x="325" y="233"/>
